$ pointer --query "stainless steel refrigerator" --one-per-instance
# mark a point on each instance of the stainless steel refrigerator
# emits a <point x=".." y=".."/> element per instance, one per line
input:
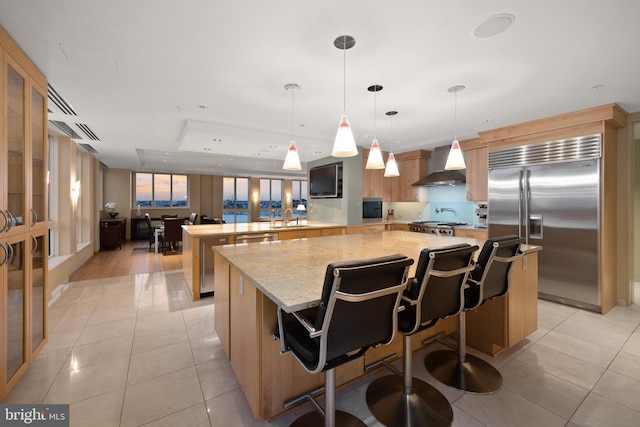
<point x="550" y="194"/>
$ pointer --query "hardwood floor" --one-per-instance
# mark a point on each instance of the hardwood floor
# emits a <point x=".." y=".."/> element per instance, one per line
<point x="133" y="258"/>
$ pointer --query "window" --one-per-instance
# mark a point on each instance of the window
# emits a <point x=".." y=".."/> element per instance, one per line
<point x="235" y="199"/>
<point x="270" y="198"/>
<point x="298" y="196"/>
<point x="157" y="190"/>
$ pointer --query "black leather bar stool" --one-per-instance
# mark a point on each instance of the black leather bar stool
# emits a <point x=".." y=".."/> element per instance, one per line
<point x="358" y="309"/>
<point x="435" y="293"/>
<point x="488" y="280"/>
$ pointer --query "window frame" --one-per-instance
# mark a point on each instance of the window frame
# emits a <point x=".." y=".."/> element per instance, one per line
<point x="230" y="214"/>
<point x="153" y="201"/>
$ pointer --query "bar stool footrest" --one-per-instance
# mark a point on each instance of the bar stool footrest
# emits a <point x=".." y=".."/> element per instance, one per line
<point x="472" y="375"/>
<point x="425" y="406"/>
<point x="315" y="419"/>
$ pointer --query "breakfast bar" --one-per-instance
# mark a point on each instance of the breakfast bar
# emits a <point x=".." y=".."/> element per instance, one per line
<point x="253" y="280"/>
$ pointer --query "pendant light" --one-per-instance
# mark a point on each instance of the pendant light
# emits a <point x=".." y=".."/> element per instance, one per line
<point x="292" y="161"/>
<point x="392" y="167"/>
<point x="374" y="161"/>
<point x="344" y="145"/>
<point x="455" y="161"/>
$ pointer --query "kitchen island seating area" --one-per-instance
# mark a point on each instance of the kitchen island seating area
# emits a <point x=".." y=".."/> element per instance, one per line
<point x="358" y="310"/>
<point x="435" y="293"/>
<point x="488" y="280"/>
<point x="249" y="296"/>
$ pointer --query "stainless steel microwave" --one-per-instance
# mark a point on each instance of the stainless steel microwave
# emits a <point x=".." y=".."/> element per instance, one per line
<point x="372" y="209"/>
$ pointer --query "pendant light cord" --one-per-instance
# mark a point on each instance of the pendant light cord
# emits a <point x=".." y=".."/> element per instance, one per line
<point x="455" y="115"/>
<point x="292" y="91"/>
<point x="344" y="75"/>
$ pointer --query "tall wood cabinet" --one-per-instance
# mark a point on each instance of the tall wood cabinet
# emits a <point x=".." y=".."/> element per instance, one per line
<point x="23" y="212"/>
<point x="477" y="171"/>
<point x="412" y="166"/>
<point x="372" y="179"/>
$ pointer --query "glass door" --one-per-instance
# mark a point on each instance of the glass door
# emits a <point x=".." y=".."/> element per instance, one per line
<point x="38" y="159"/>
<point x="15" y="268"/>
<point x="38" y="298"/>
<point x="15" y="210"/>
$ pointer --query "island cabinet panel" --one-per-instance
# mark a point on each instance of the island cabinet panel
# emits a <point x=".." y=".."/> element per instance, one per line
<point x="245" y="332"/>
<point x="299" y="234"/>
<point x="221" y="301"/>
<point x="512" y="317"/>
<point x="447" y="326"/>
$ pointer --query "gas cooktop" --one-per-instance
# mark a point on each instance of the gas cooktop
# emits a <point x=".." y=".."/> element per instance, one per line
<point x="436" y="223"/>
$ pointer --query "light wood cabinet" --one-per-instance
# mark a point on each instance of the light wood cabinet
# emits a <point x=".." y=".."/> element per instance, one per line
<point x="373" y="228"/>
<point x="513" y="316"/>
<point x="299" y="234"/>
<point x="23" y="213"/>
<point x="372" y="179"/>
<point x="412" y="166"/>
<point x="469" y="233"/>
<point x="477" y="174"/>
<point x="334" y="231"/>
<point x="400" y="227"/>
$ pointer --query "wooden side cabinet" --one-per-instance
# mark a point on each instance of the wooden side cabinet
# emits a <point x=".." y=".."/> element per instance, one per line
<point x="112" y="233"/>
<point x="477" y="174"/>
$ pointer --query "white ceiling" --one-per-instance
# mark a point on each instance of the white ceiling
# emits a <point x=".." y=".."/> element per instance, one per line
<point x="161" y="81"/>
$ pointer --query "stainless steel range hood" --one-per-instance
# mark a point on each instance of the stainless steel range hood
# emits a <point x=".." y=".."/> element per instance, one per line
<point x="441" y="176"/>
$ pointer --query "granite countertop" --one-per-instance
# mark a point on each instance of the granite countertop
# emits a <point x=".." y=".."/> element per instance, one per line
<point x="291" y="272"/>
<point x="253" y="227"/>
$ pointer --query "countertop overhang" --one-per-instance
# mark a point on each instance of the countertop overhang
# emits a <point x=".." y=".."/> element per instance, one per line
<point x="291" y="272"/>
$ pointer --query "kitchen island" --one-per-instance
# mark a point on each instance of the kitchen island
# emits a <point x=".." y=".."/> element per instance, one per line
<point x="197" y="259"/>
<point x="251" y="281"/>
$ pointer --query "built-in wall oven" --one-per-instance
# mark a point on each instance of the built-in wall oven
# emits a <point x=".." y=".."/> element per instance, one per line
<point x="372" y="209"/>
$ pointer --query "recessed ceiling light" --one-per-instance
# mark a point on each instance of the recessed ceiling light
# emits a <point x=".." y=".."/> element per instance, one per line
<point x="494" y="25"/>
<point x="273" y="146"/>
<point x="217" y="140"/>
<point x="202" y="106"/>
<point x="257" y="154"/>
<point x="487" y="120"/>
<point x="207" y="149"/>
<point x="598" y="86"/>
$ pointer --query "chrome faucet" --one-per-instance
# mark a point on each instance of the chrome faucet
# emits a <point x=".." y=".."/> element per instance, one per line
<point x="438" y="210"/>
<point x="284" y="216"/>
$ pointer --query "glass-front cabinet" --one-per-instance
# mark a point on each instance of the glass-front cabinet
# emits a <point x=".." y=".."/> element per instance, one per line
<point x="23" y="213"/>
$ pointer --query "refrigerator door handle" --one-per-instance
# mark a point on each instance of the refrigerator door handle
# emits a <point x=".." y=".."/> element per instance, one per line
<point x="525" y="200"/>
<point x="520" y="190"/>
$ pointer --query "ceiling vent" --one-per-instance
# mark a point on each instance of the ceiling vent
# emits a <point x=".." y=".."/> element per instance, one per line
<point x="88" y="148"/>
<point x="65" y="129"/>
<point x="57" y="100"/>
<point x="60" y="109"/>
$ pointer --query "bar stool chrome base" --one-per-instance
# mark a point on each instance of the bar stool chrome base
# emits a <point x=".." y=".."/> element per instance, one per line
<point x="425" y="406"/>
<point x="468" y="373"/>
<point x="315" y="419"/>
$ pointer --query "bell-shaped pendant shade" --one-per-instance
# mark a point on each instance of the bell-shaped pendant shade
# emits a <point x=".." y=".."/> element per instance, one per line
<point x="455" y="161"/>
<point x="344" y="145"/>
<point x="374" y="161"/>
<point x="292" y="161"/>
<point x="392" y="167"/>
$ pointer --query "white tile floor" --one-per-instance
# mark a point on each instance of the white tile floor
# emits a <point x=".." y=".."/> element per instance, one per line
<point x="132" y="351"/>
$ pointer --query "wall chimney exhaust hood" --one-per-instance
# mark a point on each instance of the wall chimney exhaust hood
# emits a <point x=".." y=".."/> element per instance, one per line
<point x="440" y="176"/>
